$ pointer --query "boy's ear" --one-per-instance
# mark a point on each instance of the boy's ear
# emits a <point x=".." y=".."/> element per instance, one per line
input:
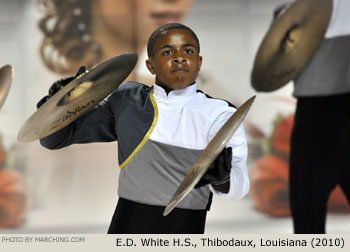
<point x="200" y="62"/>
<point x="149" y="65"/>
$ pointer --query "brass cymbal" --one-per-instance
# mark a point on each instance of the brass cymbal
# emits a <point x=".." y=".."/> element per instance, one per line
<point x="208" y="155"/>
<point x="290" y="43"/>
<point x="6" y="76"/>
<point x="77" y="97"/>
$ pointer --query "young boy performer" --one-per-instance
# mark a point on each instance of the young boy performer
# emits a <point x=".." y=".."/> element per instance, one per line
<point x="161" y="130"/>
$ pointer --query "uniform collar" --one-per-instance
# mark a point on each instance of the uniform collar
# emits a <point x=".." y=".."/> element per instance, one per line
<point x="189" y="91"/>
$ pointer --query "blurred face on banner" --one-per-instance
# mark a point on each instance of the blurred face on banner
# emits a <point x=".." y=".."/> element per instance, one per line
<point x="122" y="16"/>
<point x="80" y="32"/>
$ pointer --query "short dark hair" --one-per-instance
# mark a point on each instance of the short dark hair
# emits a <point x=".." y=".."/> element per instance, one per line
<point x="171" y="26"/>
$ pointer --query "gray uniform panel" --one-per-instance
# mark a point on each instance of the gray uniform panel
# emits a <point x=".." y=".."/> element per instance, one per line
<point x="154" y="180"/>
<point x="328" y="72"/>
<point x="134" y="116"/>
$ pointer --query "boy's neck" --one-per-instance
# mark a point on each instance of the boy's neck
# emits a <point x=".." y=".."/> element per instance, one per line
<point x="168" y="89"/>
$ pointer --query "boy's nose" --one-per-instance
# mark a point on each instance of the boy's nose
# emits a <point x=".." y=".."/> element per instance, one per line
<point x="179" y="60"/>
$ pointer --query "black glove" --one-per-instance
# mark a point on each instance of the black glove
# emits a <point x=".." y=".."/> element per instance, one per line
<point x="59" y="84"/>
<point x="218" y="172"/>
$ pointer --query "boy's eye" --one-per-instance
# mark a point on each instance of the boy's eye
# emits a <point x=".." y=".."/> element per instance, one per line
<point x="167" y="52"/>
<point x="189" y="51"/>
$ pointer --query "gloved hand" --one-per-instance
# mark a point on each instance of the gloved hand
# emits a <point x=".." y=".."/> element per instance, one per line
<point x="59" y="84"/>
<point x="218" y="172"/>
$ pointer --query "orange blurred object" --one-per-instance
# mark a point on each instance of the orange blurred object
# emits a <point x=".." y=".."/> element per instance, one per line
<point x="337" y="202"/>
<point x="269" y="189"/>
<point x="280" y="140"/>
<point x="14" y="200"/>
<point x="269" y="186"/>
<point x="269" y="175"/>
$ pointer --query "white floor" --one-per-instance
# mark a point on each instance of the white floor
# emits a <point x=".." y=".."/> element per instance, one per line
<point x="241" y="218"/>
<point x="224" y="218"/>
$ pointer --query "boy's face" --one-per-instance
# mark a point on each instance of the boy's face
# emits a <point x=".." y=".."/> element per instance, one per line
<point x="175" y="60"/>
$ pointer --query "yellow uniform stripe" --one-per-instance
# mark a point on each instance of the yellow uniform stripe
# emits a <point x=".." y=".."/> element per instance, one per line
<point x="147" y="135"/>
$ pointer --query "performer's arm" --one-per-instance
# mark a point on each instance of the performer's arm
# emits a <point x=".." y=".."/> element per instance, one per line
<point x="96" y="125"/>
<point x="237" y="186"/>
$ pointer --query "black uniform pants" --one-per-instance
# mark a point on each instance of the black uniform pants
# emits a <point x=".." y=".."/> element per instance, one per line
<point x="319" y="158"/>
<point x="134" y="218"/>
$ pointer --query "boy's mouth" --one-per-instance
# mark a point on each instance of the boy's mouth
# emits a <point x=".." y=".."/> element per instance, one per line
<point x="180" y="70"/>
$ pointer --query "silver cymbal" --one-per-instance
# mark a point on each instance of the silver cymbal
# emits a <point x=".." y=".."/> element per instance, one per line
<point x="290" y="43"/>
<point x="6" y="76"/>
<point x="208" y="155"/>
<point x="77" y="97"/>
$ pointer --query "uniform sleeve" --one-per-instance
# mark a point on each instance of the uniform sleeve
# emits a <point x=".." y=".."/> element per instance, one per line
<point x="239" y="180"/>
<point x="97" y="125"/>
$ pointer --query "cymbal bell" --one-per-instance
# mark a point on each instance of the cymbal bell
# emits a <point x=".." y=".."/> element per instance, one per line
<point x="208" y="155"/>
<point x="77" y="97"/>
<point x="288" y="46"/>
<point x="6" y="76"/>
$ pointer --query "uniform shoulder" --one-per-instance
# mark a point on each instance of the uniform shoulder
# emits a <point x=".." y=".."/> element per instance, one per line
<point x="210" y="109"/>
<point x="131" y="87"/>
<point x="213" y="103"/>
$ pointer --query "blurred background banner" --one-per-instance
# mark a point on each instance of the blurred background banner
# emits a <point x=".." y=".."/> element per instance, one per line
<point x="74" y="190"/>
